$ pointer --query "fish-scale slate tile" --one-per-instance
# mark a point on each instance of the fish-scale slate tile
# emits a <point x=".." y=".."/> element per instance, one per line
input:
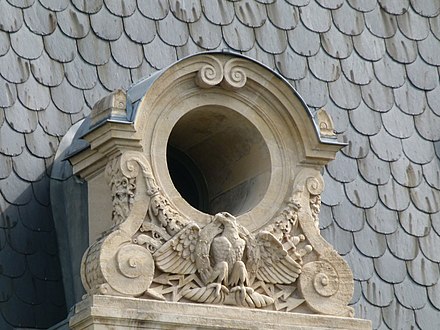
<point x="40" y="265"/>
<point x="348" y="20"/>
<point x="262" y="56"/>
<point x="72" y="104"/>
<point x="33" y="95"/>
<point x="433" y="98"/>
<point x="139" y="28"/>
<point x="94" y="50"/>
<point x="363" y="309"/>
<point x="344" y="93"/>
<point x="373" y="169"/>
<point x="313" y="91"/>
<point x="336" y="44"/>
<point x="298" y="3"/>
<point x="331" y="4"/>
<point x="304" y="41"/>
<point x="394" y="7"/>
<point x="429" y="246"/>
<point x="47" y="71"/>
<point x="380" y="23"/>
<point x="410" y="99"/>
<point x="358" y="144"/>
<point x="361" y="193"/>
<point x="106" y="25"/>
<point x="377" y="96"/>
<point x="412" y="25"/>
<point x="394" y="196"/>
<point x="172" y="31"/>
<point x="40" y="20"/>
<point x="128" y="59"/>
<point x="378" y="292"/>
<point x="369" y="242"/>
<point x="426" y="8"/>
<point x="418" y="150"/>
<point x="5" y="169"/>
<point x="429" y="50"/>
<point x="238" y="36"/>
<point x="343" y="168"/>
<point x="389" y="268"/>
<point x="5" y="44"/>
<point x="14" y="319"/>
<point x="26" y="44"/>
<point x="41" y="144"/>
<point x="18" y="267"/>
<point x="113" y="76"/>
<point x="423" y="271"/>
<point x="333" y="194"/>
<point x="396" y="316"/>
<point x="428" y="317"/>
<point x="20" y="118"/>
<point x="205" y="34"/>
<point x="397" y="123"/>
<point x="403" y="245"/>
<point x="59" y="47"/>
<point x="94" y="95"/>
<point x="31" y="222"/>
<point x="15" y="190"/>
<point x="121" y="8"/>
<point x="401" y="49"/>
<point x="434" y="22"/>
<point x="422" y="75"/>
<point x="186" y="11"/>
<point x="51" y="114"/>
<point x="89" y="6"/>
<point x="428" y="125"/>
<point x="415" y="222"/>
<point x="55" y="5"/>
<point x="431" y="173"/>
<point x="361" y="266"/>
<point x="14" y="69"/>
<point x="11" y="18"/>
<point x="250" y="13"/>
<point x="389" y="73"/>
<point x="8" y="217"/>
<point x="368" y="46"/>
<point x="154" y="9"/>
<point x="365" y="120"/>
<point x="80" y="74"/>
<point x="6" y="286"/>
<point x="73" y="23"/>
<point x="283" y="15"/>
<point x="41" y="187"/>
<point x="434" y="295"/>
<point x="325" y="215"/>
<point x="315" y="17"/>
<point x="363" y="5"/>
<point x="15" y="140"/>
<point x="8" y="93"/>
<point x="271" y="39"/>
<point x="324" y="67"/>
<point x="26" y="291"/>
<point x="348" y="216"/>
<point x="410" y="294"/>
<point x="291" y="65"/>
<point x="357" y="293"/>
<point x="218" y="12"/>
<point x="21" y="3"/>
<point x="425" y="198"/>
<point x="406" y="173"/>
<point x="342" y="239"/>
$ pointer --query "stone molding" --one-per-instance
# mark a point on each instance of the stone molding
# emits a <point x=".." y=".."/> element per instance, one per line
<point x="157" y="246"/>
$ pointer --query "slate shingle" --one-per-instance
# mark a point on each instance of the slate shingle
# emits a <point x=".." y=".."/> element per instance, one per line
<point x="418" y="150"/>
<point x="238" y="36"/>
<point x="8" y="93"/>
<point x="313" y="91"/>
<point x="283" y="15"/>
<point x="20" y="118"/>
<point x="187" y="11"/>
<point x="410" y="294"/>
<point x="373" y="169"/>
<point x="343" y="169"/>
<point x="47" y="71"/>
<point x="303" y="41"/>
<point x="4" y="43"/>
<point x="336" y="44"/>
<point x="328" y="197"/>
<point x="113" y="76"/>
<point x="21" y="3"/>
<point x="89" y="6"/>
<point x="348" y="216"/>
<point x="389" y="268"/>
<point x="428" y="125"/>
<point x="73" y="23"/>
<point x="428" y="317"/>
<point x="139" y="28"/>
<point x="433" y="98"/>
<point x="414" y="222"/>
<point x="18" y="268"/>
<point x="271" y="39"/>
<point x="412" y="25"/>
<point x="363" y="5"/>
<point x="250" y="13"/>
<point x="363" y="309"/>
<point x="423" y="271"/>
<point x="80" y="74"/>
<point x="428" y="245"/>
<point x="15" y="140"/>
<point x="362" y="267"/>
<point x="59" y="47"/>
<point x="396" y="316"/>
<point x="394" y="196"/>
<point x="324" y="67"/>
<point x="348" y="20"/>
<point x="5" y="170"/>
<point x="361" y="193"/>
<point x="431" y="173"/>
<point x="389" y="73"/>
<point x="369" y="242"/>
<point x="380" y="23"/>
<point x="172" y="31"/>
<point x="425" y="198"/>
<point x="106" y="25"/>
<point x="368" y="46"/>
<point x="365" y="120"/>
<point x="422" y="75"/>
<point x="11" y="19"/>
<point x="315" y="17"/>
<point x="377" y="96"/>
<point x="15" y="191"/>
<point x="26" y="44"/>
<point x="260" y="55"/>
<point x="40" y="20"/>
<point x="33" y="95"/>
<point x="434" y="295"/>
<point x="94" y="50"/>
<point x="343" y="240"/>
<point x="131" y="59"/>
<point x="344" y="93"/>
<point x="395" y="7"/>
<point x="378" y="292"/>
<point x="41" y="144"/>
<point x="397" y="123"/>
<point x="121" y="8"/>
<point x="154" y="9"/>
<point x="55" y="5"/>
<point x="358" y="144"/>
<point x="218" y="12"/>
<point x="406" y="173"/>
<point x="429" y="50"/>
<point x="401" y="49"/>
<point x="402" y="245"/>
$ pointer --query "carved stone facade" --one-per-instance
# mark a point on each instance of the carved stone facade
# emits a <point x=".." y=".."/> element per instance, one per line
<point x="265" y="255"/>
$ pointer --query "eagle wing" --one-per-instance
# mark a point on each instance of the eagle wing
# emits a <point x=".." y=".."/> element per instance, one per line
<point x="269" y="261"/>
<point x="178" y="254"/>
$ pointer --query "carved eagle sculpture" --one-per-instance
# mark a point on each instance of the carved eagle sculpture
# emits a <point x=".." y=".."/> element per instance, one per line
<point x="226" y="255"/>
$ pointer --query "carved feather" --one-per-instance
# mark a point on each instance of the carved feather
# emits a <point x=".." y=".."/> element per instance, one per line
<point x="178" y="254"/>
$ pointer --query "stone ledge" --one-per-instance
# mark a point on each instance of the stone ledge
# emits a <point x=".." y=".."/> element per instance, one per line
<point x="105" y="312"/>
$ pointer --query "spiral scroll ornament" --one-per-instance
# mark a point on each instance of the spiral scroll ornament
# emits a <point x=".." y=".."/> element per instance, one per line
<point x="235" y="76"/>
<point x="210" y="74"/>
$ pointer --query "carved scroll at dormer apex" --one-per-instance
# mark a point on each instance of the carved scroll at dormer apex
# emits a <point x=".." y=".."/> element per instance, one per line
<point x="230" y="74"/>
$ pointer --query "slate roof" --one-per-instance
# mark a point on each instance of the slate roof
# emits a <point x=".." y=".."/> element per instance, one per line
<point x="373" y="65"/>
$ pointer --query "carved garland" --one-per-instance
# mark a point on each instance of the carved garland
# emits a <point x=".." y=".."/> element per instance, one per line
<point x="153" y="251"/>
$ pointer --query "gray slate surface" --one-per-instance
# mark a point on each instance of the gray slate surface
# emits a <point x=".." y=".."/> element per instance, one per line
<point x="374" y="65"/>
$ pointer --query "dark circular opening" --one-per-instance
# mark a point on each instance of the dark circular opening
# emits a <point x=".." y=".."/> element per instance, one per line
<point x="218" y="161"/>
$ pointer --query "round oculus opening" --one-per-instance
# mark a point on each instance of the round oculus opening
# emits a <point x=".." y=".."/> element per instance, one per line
<point x="218" y="160"/>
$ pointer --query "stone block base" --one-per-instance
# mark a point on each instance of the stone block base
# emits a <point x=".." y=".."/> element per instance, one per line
<point x="109" y="312"/>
